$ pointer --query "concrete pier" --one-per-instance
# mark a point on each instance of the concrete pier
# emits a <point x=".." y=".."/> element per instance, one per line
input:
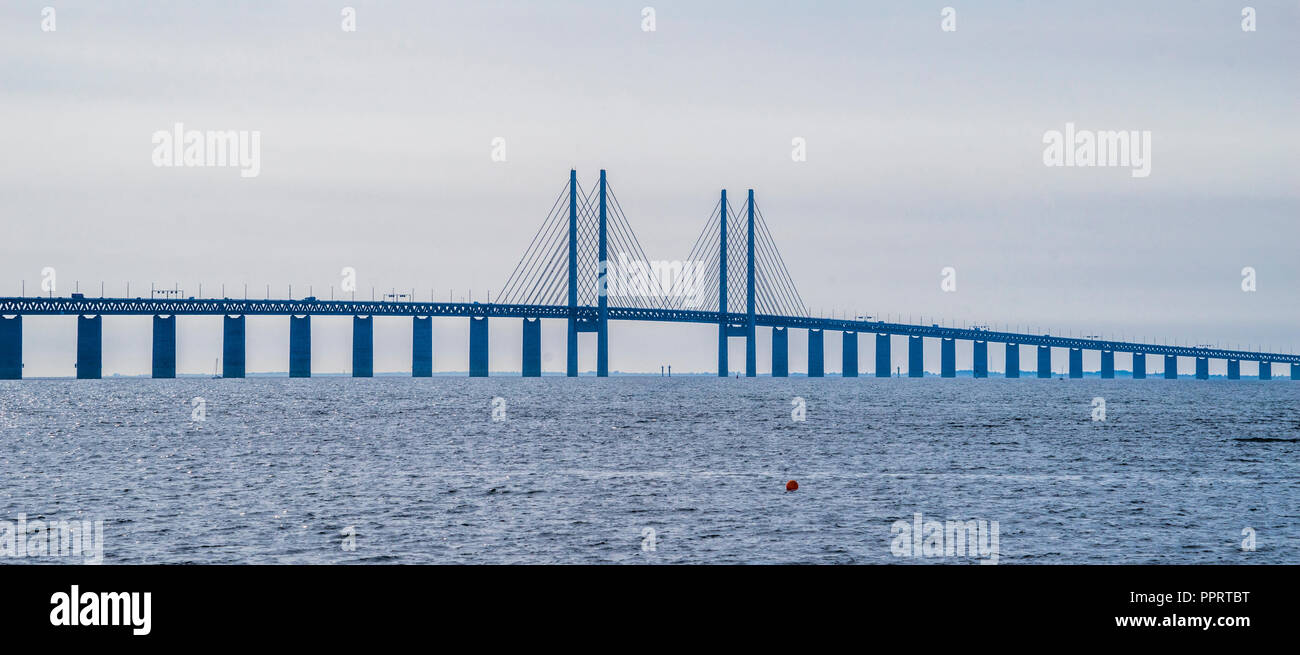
<point x="849" y="355"/>
<point x="232" y="346"/>
<point x="915" y="357"/>
<point x="90" y="347"/>
<point x="1108" y="364"/>
<point x="948" y="357"/>
<point x="1139" y="366"/>
<point x="421" y="346"/>
<point x="1266" y="370"/>
<point x="363" y="347"/>
<point x="816" y="353"/>
<point x="11" y="348"/>
<point x="532" y="362"/>
<point x="724" y="369"/>
<point x="571" y="351"/>
<point x="980" y="355"/>
<point x="751" y="351"/>
<point x="300" y="346"/>
<point x="478" y="347"/>
<point x="1295" y="371"/>
<point x="1171" y="367"/>
<point x="164" y="346"/>
<point x="1044" y="361"/>
<point x="1234" y="369"/>
<point x="1202" y="368"/>
<point x="780" y="352"/>
<point x="1013" y="360"/>
<point x="884" y="361"/>
<point x="1076" y="363"/>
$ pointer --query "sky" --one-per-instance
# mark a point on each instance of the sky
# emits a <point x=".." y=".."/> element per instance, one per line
<point x="924" y="150"/>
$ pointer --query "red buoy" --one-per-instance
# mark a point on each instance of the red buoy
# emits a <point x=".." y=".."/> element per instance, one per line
<point x="791" y="485"/>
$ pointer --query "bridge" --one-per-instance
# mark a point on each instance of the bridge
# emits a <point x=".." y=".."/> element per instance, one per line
<point x="567" y="274"/>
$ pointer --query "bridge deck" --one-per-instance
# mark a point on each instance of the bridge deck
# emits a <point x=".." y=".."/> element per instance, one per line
<point x="311" y="306"/>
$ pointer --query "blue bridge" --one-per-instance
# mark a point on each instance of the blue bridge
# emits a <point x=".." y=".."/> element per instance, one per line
<point x="568" y="274"/>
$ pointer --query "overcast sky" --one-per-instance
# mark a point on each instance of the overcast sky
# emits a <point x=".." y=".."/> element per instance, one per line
<point x="924" y="150"/>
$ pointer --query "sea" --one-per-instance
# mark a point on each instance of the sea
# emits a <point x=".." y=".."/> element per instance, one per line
<point x="655" y="470"/>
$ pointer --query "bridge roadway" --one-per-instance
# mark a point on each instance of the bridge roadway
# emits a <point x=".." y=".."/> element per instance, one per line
<point x="311" y="306"/>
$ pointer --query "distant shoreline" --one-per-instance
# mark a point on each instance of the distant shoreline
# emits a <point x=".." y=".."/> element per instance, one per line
<point x="1031" y="374"/>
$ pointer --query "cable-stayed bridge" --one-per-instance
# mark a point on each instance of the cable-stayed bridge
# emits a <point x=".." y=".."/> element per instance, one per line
<point x="585" y="266"/>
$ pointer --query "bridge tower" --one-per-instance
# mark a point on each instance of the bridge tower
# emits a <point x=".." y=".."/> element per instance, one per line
<point x="602" y="289"/>
<point x="572" y="370"/>
<point x="726" y="326"/>
<point x="600" y="271"/>
<point x="751" y="353"/>
<point x="576" y="325"/>
<point x="723" y="321"/>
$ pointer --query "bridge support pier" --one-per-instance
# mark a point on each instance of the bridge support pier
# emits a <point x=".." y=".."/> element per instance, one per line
<point x="1266" y="370"/>
<point x="478" y="346"/>
<point x="602" y="349"/>
<point x="1076" y="363"/>
<point x="300" y="346"/>
<point x="723" y="367"/>
<point x="1108" y="364"/>
<point x="90" y="347"/>
<point x="915" y="357"/>
<point x="1013" y="360"/>
<point x="11" y="348"/>
<point x="1044" y="361"/>
<point x="751" y="352"/>
<point x="980" y="355"/>
<point x="363" y="347"/>
<point x="884" y="361"/>
<point x="532" y="363"/>
<point x="1295" y="371"/>
<point x="232" y="346"/>
<point x="780" y="352"/>
<point x="849" y="355"/>
<point x="571" y="367"/>
<point x="948" y="357"/>
<point x="164" y="346"/>
<point x="1139" y="366"/>
<point x="1202" y="368"/>
<point x="421" y="346"/>
<point x="1234" y="369"/>
<point x="816" y="353"/>
<point x="1171" y="367"/>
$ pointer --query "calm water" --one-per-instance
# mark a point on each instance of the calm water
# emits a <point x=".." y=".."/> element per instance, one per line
<point x="579" y="468"/>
